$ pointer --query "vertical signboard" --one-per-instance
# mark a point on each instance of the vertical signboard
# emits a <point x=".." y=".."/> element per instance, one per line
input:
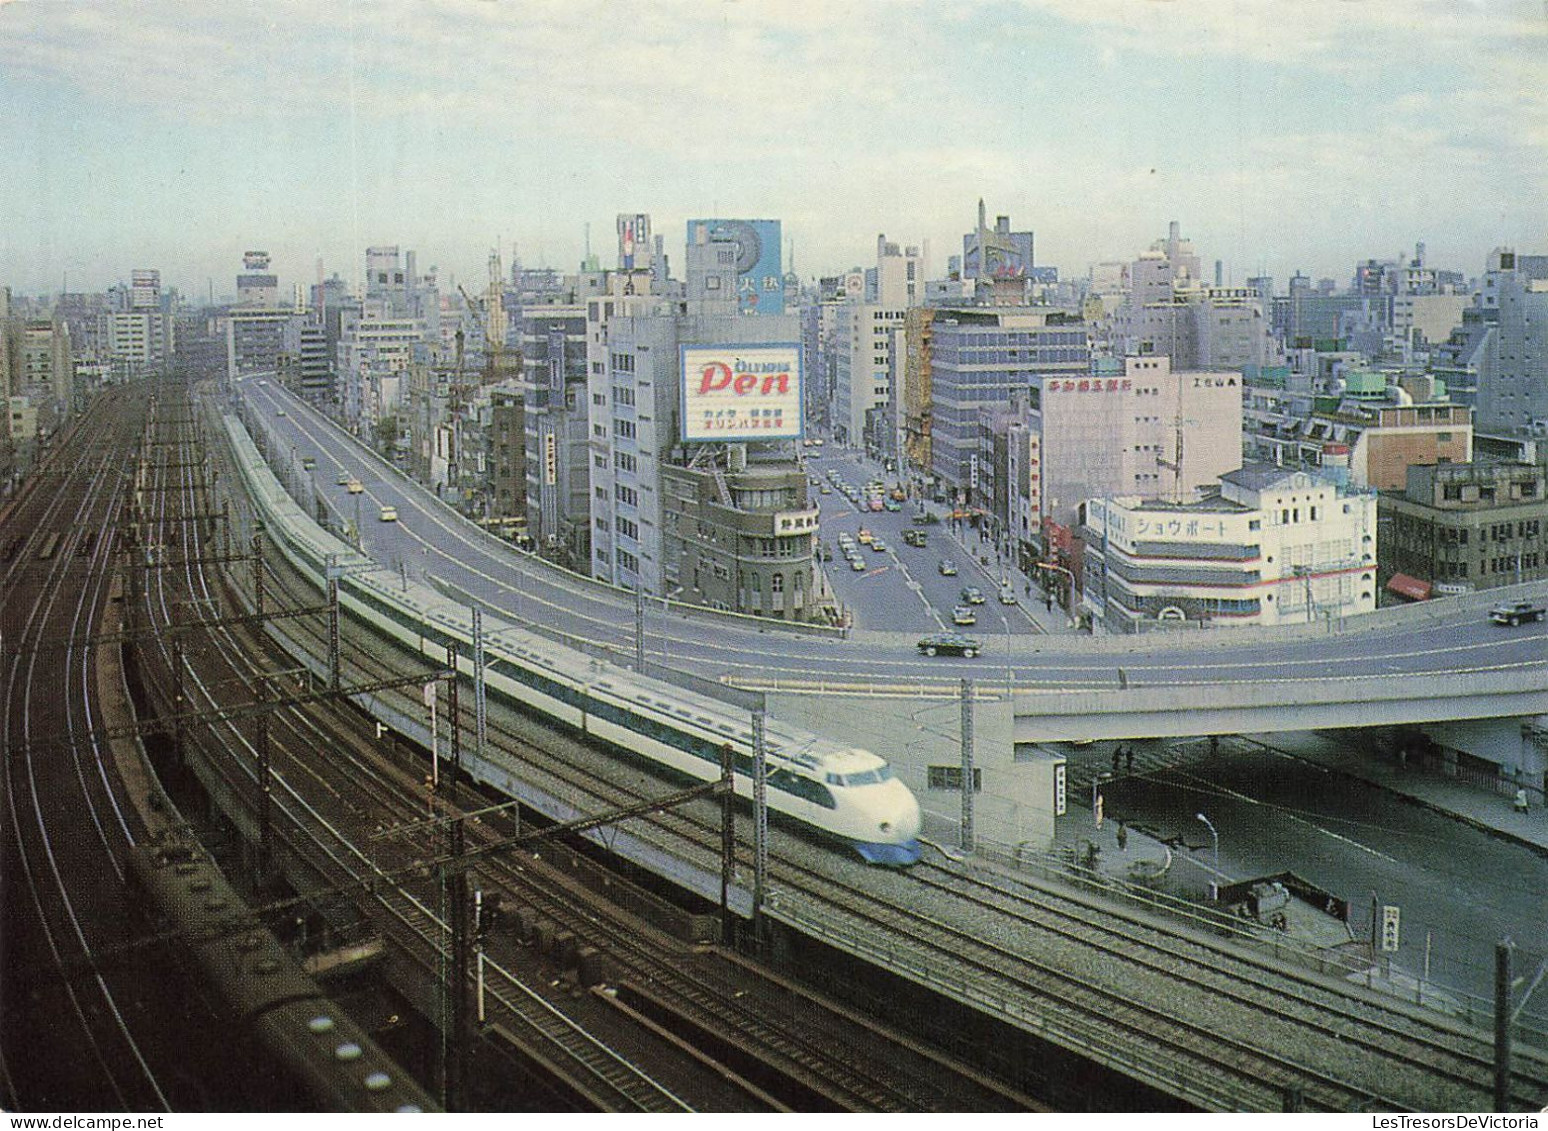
<point x="633" y="241"/>
<point x="736" y="393"/>
<point x="1060" y="797"/>
<point x="1389" y="927"/>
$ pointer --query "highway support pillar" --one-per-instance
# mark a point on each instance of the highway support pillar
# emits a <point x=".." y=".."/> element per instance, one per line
<point x="1502" y="1019"/>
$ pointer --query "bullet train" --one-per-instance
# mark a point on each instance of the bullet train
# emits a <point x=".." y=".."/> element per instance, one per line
<point x="842" y="792"/>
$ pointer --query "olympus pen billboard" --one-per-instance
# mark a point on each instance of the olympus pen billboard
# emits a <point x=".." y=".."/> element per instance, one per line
<point x="741" y="392"/>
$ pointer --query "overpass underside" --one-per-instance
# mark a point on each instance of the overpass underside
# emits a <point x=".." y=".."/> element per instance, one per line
<point x="1179" y="710"/>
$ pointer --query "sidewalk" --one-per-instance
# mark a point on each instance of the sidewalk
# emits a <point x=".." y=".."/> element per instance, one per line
<point x="1486" y="811"/>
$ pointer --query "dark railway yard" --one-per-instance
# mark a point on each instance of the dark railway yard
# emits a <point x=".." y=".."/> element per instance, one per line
<point x="141" y="640"/>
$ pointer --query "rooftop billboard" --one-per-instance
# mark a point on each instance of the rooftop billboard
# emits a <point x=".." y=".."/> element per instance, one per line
<point x="760" y="284"/>
<point x="749" y="392"/>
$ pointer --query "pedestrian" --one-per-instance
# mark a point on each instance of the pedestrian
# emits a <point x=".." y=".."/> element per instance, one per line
<point x="1117" y="757"/>
<point x="1123" y="837"/>
<point x="1521" y="800"/>
<point x="1128" y="758"/>
<point x="1048" y="600"/>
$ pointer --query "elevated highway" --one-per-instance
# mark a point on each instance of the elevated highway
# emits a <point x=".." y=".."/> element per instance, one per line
<point x="1426" y="663"/>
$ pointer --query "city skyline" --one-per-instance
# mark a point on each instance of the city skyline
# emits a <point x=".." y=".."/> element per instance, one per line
<point x="146" y="138"/>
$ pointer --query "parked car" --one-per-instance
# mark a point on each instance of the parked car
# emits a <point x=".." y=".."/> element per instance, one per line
<point x="878" y="545"/>
<point x="857" y="564"/>
<point x="950" y="644"/>
<point x="1514" y="612"/>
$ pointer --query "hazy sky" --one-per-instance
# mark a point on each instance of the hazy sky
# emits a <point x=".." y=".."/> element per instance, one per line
<point x="1281" y="135"/>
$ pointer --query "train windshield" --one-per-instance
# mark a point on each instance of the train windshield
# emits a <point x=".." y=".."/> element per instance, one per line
<point x="865" y="777"/>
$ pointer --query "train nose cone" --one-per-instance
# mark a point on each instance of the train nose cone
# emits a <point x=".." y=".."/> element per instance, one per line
<point x="902" y="820"/>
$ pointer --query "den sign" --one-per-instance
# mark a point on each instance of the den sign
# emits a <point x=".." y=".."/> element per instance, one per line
<point x="740" y="393"/>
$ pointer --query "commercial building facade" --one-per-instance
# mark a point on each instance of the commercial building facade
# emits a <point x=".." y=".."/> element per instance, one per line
<point x="1272" y="547"/>
<point x="1463" y="527"/>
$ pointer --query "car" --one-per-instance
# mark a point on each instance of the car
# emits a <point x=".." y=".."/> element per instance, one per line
<point x="875" y="505"/>
<point x="964" y="614"/>
<point x="344" y="478"/>
<point x="915" y="537"/>
<point x="857" y="564"/>
<point x="389" y="514"/>
<point x="308" y="463"/>
<point x="864" y="536"/>
<point x="1514" y="612"/>
<point x="893" y="505"/>
<point x="1007" y="594"/>
<point x="950" y="644"/>
<point x="845" y="538"/>
<point x="878" y="545"/>
<point x="973" y="595"/>
<point x="825" y="489"/>
<point x="947" y="568"/>
<point x="279" y="412"/>
<point x="355" y="486"/>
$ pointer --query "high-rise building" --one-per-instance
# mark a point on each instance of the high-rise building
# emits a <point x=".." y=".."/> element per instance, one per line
<point x="899" y="275"/>
<point x="739" y="259"/>
<point x="863" y="372"/>
<point x="256" y="286"/>
<point x="1513" y="378"/>
<point x="997" y="252"/>
<point x="554" y="384"/>
<point x="978" y="359"/>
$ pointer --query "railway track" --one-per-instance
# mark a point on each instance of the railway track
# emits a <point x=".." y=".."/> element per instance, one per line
<point x="1365" y="1023"/>
<point x="68" y="1040"/>
<point x="728" y="1010"/>
<point x="1228" y="1043"/>
<point x="360" y="791"/>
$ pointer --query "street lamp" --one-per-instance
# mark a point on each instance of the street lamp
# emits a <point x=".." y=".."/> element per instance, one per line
<point x="1214" y="835"/>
